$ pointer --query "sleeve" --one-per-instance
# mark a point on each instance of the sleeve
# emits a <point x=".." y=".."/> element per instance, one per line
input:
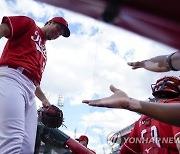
<point x="18" y="25"/>
<point x="130" y="145"/>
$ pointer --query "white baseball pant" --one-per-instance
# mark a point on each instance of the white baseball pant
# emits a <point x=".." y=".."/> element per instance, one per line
<point x="18" y="114"/>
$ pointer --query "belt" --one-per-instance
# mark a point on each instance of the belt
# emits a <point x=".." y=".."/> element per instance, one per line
<point x="26" y="73"/>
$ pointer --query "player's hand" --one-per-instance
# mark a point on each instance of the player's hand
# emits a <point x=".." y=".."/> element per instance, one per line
<point x="149" y="65"/>
<point x="46" y="103"/>
<point x="118" y="100"/>
<point x="136" y="65"/>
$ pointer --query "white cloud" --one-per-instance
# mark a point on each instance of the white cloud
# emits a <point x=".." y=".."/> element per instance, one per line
<point x="109" y="120"/>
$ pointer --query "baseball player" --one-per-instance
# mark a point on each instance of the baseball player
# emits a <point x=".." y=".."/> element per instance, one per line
<point x="83" y="139"/>
<point x="22" y="63"/>
<point x="149" y="135"/>
<point x="156" y="137"/>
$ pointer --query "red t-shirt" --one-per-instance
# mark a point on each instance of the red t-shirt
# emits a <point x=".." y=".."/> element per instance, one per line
<point x="152" y="136"/>
<point x="25" y="46"/>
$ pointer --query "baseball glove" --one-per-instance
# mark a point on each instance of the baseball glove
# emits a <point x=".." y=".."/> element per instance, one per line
<point x="50" y="116"/>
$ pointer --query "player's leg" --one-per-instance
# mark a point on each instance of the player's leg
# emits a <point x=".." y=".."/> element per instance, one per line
<point x="30" y="128"/>
<point x="12" y="111"/>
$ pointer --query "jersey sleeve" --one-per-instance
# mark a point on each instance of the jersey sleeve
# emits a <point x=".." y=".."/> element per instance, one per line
<point x="18" y="25"/>
<point x="130" y="145"/>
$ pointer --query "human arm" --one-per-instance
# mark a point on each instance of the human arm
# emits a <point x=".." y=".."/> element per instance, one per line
<point x="163" y="63"/>
<point x="39" y="93"/>
<point x="160" y="111"/>
<point x="4" y="30"/>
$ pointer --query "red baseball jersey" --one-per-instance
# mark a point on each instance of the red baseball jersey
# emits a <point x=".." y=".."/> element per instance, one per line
<point x="152" y="137"/>
<point x="25" y="46"/>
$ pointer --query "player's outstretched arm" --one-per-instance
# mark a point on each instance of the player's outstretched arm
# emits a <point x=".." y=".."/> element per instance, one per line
<point x="118" y="100"/>
<point x="165" y="112"/>
<point x="163" y="63"/>
<point x="4" y="30"/>
<point x="159" y="111"/>
<point x="39" y="93"/>
<point x="155" y="64"/>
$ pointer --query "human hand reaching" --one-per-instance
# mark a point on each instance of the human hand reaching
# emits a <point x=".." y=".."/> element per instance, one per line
<point x="117" y="100"/>
<point x="136" y="65"/>
<point x="46" y="103"/>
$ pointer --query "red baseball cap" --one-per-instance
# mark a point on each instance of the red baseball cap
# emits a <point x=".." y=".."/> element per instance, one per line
<point x="83" y="138"/>
<point x="64" y="23"/>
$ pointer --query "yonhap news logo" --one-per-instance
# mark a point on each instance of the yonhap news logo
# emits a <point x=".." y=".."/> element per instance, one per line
<point x="113" y="138"/>
<point x="156" y="140"/>
<point x="116" y="138"/>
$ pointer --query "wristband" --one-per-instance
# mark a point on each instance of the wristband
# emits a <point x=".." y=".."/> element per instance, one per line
<point x="168" y="62"/>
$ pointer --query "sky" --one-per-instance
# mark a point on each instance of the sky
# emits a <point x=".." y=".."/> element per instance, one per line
<point x="84" y="65"/>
